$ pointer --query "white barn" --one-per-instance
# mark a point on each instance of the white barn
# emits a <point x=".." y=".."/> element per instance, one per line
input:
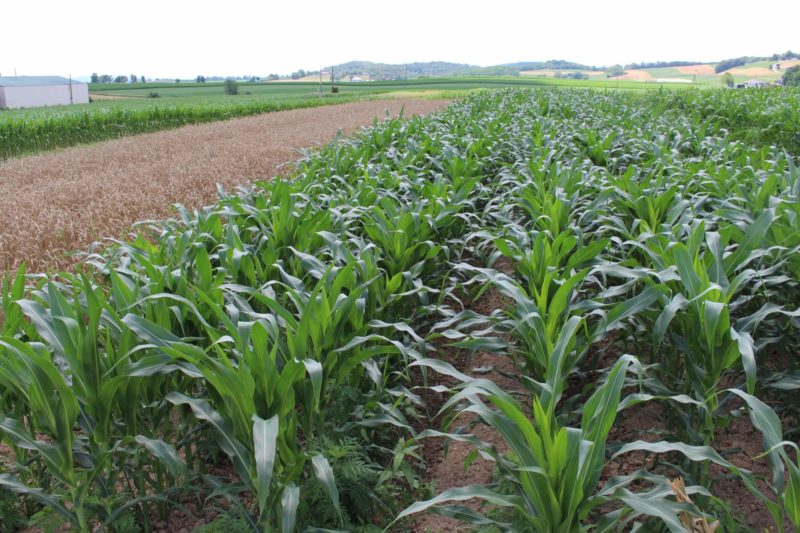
<point x="37" y="91"/>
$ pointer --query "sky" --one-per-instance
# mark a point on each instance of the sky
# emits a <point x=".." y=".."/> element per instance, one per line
<point x="182" y="39"/>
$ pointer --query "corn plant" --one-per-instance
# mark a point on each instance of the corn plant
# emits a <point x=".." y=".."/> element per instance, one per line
<point x="699" y="315"/>
<point x="550" y="477"/>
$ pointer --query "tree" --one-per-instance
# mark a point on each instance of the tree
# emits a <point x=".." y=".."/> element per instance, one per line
<point x="95" y="78"/>
<point x="142" y="79"/>
<point x="727" y="79"/>
<point x="728" y="64"/>
<point x="614" y="71"/>
<point x="105" y="78"/>
<point x="791" y="77"/>
<point x="200" y="79"/>
<point x="133" y="78"/>
<point x="231" y="87"/>
<point x="121" y="79"/>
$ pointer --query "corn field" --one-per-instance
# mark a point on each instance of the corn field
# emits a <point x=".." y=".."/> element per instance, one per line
<point x="271" y="356"/>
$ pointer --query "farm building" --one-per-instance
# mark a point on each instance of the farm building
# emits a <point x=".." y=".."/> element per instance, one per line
<point x="752" y="84"/>
<point x="37" y="91"/>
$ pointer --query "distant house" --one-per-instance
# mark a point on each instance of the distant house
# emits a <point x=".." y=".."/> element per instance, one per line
<point x="37" y="91"/>
<point x="751" y="84"/>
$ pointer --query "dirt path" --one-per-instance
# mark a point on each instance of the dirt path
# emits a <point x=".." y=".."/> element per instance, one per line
<point x="54" y="203"/>
<point x="447" y="470"/>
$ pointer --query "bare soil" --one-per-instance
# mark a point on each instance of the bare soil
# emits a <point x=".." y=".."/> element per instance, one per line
<point x="697" y="70"/>
<point x="58" y="202"/>
<point x="637" y="75"/>
<point x="752" y="71"/>
<point x="446" y="470"/>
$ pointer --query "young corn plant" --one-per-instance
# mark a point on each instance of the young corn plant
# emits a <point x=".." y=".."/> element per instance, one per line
<point x="697" y="318"/>
<point x="252" y="412"/>
<point x="549" y="480"/>
<point x="551" y="331"/>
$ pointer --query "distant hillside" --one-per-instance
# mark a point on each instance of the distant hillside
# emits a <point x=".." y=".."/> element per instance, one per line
<point x="645" y="71"/>
<point x="554" y="64"/>
<point x="662" y="64"/>
<point x="728" y="64"/>
<point x="430" y="69"/>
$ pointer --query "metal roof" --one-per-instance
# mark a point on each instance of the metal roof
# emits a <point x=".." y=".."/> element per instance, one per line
<point x="28" y="81"/>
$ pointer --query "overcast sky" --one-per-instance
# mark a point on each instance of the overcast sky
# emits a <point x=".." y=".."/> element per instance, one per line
<point x="168" y="38"/>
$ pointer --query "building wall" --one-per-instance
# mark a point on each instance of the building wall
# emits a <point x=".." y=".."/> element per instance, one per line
<point x="42" y="95"/>
<point x="80" y="93"/>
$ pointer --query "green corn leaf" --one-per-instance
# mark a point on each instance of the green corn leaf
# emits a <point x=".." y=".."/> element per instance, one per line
<point x="461" y="494"/>
<point x="694" y="453"/>
<point x="746" y="347"/>
<point x="166" y="453"/>
<point x="149" y="331"/>
<point x="666" y="511"/>
<point x="265" y="435"/>
<point x="791" y="496"/>
<point x="222" y="431"/>
<point x="324" y="473"/>
<point x="290" y="499"/>
<point x="752" y="238"/>
<point x="49" y="501"/>
<point x="766" y="421"/>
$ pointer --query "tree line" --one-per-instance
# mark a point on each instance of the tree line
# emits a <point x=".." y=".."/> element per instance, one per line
<point x="109" y="78"/>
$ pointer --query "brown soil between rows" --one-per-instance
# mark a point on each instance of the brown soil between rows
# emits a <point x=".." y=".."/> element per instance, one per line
<point x="54" y="203"/>
<point x="446" y="470"/>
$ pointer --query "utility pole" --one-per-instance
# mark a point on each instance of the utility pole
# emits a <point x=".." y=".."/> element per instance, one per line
<point x="71" y="101"/>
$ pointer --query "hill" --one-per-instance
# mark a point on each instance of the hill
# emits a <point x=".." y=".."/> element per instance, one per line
<point x="430" y="69"/>
<point x="552" y="64"/>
